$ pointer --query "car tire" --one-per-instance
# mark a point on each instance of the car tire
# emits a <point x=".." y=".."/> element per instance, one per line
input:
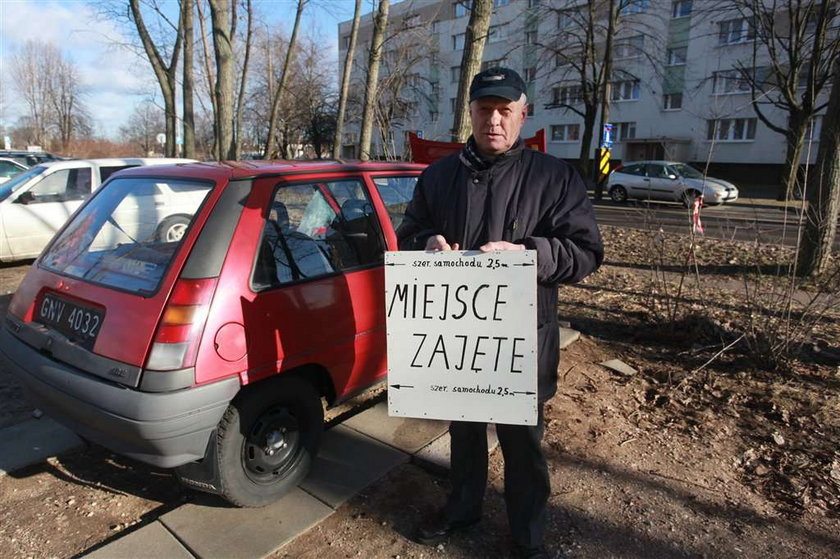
<point x="618" y="194"/>
<point x="172" y="229"/>
<point x="267" y="440"/>
<point x="688" y="197"/>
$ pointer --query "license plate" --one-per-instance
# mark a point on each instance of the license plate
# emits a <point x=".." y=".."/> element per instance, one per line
<point x="79" y="323"/>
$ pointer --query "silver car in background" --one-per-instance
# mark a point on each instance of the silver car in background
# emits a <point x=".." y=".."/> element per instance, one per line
<point x="669" y="181"/>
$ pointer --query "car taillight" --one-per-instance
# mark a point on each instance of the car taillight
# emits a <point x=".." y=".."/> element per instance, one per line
<point x="179" y="331"/>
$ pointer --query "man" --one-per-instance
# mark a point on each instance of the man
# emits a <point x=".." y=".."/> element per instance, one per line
<point x="497" y="195"/>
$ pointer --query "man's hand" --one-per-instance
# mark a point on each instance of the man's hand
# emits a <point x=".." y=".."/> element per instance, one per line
<point x="437" y="242"/>
<point x="500" y="245"/>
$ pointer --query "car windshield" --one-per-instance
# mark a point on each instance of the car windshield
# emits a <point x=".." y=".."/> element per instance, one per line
<point x="128" y="233"/>
<point x="687" y="171"/>
<point x="17" y="181"/>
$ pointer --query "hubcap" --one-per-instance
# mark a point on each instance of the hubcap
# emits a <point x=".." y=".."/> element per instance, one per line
<point x="176" y="232"/>
<point x="272" y="445"/>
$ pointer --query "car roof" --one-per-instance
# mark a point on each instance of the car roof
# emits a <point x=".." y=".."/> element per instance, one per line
<point x="233" y="170"/>
<point x="654" y="161"/>
<point x="109" y="161"/>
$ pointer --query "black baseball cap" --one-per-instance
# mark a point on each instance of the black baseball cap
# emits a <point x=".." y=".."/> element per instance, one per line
<point x="497" y="82"/>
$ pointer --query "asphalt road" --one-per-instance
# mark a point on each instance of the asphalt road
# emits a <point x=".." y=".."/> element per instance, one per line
<point x="743" y="221"/>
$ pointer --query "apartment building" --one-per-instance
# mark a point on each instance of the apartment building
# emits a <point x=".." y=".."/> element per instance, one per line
<point x="677" y="88"/>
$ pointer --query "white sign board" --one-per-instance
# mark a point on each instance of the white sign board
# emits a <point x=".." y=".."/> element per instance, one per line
<point x="462" y="335"/>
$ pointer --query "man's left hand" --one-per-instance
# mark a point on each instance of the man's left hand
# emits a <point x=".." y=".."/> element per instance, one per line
<point x="500" y="245"/>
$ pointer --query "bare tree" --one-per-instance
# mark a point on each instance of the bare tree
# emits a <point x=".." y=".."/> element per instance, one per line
<point x="345" y="79"/>
<point x="243" y="79"/>
<point x="380" y="24"/>
<point x="31" y="70"/>
<point x="142" y="127"/>
<point x="65" y="92"/>
<point x="823" y="192"/>
<point x="166" y="74"/>
<point x="189" y="81"/>
<point x="278" y="95"/>
<point x="221" y="15"/>
<point x="476" y="36"/>
<point x="795" y="48"/>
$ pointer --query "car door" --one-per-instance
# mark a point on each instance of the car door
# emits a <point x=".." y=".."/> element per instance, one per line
<point x="634" y="180"/>
<point x="31" y="218"/>
<point x="319" y="283"/>
<point x="660" y="185"/>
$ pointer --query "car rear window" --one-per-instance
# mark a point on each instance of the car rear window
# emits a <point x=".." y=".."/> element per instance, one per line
<point x="128" y="234"/>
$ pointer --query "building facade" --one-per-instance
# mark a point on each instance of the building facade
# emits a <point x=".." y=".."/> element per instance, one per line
<point x="678" y="89"/>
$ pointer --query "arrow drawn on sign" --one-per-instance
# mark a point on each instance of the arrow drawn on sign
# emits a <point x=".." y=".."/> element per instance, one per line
<point x="524" y="264"/>
<point x="527" y="393"/>
<point x="393" y="264"/>
<point x="398" y="386"/>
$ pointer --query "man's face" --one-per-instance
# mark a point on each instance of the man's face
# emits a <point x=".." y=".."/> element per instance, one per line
<point x="496" y="123"/>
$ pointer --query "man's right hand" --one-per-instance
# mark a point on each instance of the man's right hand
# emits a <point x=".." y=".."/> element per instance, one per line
<point x="437" y="242"/>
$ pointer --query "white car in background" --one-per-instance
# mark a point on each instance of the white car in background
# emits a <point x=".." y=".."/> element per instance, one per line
<point x="9" y="168"/>
<point x="669" y="181"/>
<point x="37" y="202"/>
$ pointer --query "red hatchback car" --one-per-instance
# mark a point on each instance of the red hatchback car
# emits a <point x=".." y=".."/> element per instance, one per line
<point x="210" y="352"/>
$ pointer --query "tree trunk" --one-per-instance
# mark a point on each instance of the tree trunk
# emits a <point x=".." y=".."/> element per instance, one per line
<point x="823" y="192"/>
<point x="795" y="140"/>
<point x="278" y="95"/>
<point x="607" y="88"/>
<point x="189" y="82"/>
<point x="380" y="24"/>
<point x="345" y="80"/>
<point x="476" y="36"/>
<point x="243" y="82"/>
<point x="220" y="14"/>
<point x="208" y="72"/>
<point x="585" y="159"/>
<point x="166" y="75"/>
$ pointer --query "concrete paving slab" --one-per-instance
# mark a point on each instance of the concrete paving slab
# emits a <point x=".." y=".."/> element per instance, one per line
<point x="568" y="336"/>
<point x="619" y="367"/>
<point x="435" y="456"/>
<point x="406" y="434"/>
<point x="211" y="529"/>
<point x="34" y="441"/>
<point x="347" y="462"/>
<point x="152" y="540"/>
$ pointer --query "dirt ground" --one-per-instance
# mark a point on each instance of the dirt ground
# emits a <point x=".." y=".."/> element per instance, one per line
<point x="707" y="450"/>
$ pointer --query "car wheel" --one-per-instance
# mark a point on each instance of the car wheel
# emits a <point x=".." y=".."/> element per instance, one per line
<point x="618" y="194"/>
<point x="688" y="197"/>
<point x="267" y="439"/>
<point x="172" y="229"/>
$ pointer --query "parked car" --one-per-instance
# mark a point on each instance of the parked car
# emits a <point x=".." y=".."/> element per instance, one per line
<point x="210" y="352"/>
<point x="35" y="203"/>
<point x="31" y="158"/>
<point x="9" y="168"/>
<point x="669" y="181"/>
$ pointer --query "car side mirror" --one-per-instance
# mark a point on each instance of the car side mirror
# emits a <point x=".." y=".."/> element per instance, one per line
<point x="672" y="177"/>
<point x="25" y="198"/>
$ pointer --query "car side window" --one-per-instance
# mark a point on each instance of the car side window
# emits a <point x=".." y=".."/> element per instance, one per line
<point x="656" y="171"/>
<point x="634" y="170"/>
<point x="316" y="229"/>
<point x="396" y="193"/>
<point x="61" y="186"/>
<point x="105" y="172"/>
<point x="8" y="170"/>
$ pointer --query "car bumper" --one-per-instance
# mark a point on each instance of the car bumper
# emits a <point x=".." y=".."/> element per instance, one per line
<point x="165" y="429"/>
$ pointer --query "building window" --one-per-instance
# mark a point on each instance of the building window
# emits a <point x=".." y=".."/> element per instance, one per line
<point x="730" y="81"/>
<point x="462" y="8"/>
<point x="455" y="74"/>
<point x="677" y="56"/>
<point x="531" y="74"/>
<point x="534" y="3"/>
<point x="435" y="90"/>
<point x="497" y="33"/>
<point x="565" y="132"/>
<point x="411" y="21"/>
<point x="565" y="19"/>
<point x="731" y="129"/>
<point x="453" y="101"/>
<point x="531" y="37"/>
<point x="567" y="95"/>
<point x="487" y="64"/>
<point x="346" y="42"/>
<point x="626" y="130"/>
<point x="530" y="107"/>
<point x="434" y="116"/>
<point x="681" y="8"/>
<point x="673" y="101"/>
<point x="625" y="90"/>
<point x="734" y="31"/>
<point x="500" y="3"/>
<point x="635" y="7"/>
<point x="631" y="47"/>
<point x="458" y="41"/>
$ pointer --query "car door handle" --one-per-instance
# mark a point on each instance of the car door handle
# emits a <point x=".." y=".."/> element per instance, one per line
<point x="646" y="180"/>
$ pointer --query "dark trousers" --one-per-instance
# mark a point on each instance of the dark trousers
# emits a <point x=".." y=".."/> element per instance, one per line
<point x="526" y="476"/>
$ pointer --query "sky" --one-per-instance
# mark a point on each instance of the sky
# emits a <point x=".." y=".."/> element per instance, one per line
<point x="115" y="78"/>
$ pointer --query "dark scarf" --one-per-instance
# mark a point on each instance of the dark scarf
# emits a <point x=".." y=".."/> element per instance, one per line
<point x="477" y="162"/>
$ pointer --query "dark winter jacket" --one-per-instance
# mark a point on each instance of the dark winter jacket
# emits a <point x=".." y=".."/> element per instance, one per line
<point x="524" y="197"/>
